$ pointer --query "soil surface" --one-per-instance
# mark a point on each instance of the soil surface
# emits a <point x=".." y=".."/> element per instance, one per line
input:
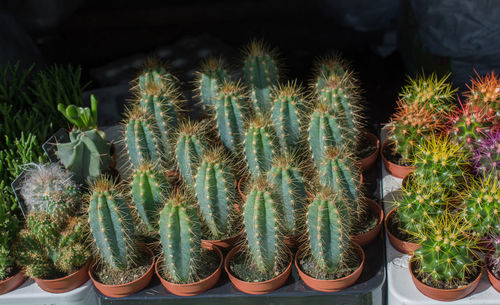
<point x="445" y="285"/>
<point x="368" y="222"/>
<point x="365" y="148"/>
<point x="109" y="276"/>
<point x="399" y="233"/>
<point x="10" y="271"/>
<point x="310" y="267"/>
<point x="243" y="270"/>
<point x="393" y="157"/>
<point x="210" y="261"/>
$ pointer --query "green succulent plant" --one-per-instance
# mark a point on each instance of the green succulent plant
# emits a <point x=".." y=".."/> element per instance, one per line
<point x="212" y="75"/>
<point x="260" y="145"/>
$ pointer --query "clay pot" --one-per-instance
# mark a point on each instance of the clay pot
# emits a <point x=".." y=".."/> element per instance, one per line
<point x="224" y="244"/>
<point x="123" y="290"/>
<point x="366" y="163"/>
<point x="367" y="237"/>
<point x="331" y="285"/>
<point x="256" y="287"/>
<point x="446" y="295"/>
<point x="67" y="283"/>
<point x="12" y="282"/>
<point x="495" y="282"/>
<point x="192" y="288"/>
<point x="394" y="169"/>
<point x="398" y="244"/>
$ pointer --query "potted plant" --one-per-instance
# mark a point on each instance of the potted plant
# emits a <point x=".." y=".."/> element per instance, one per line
<point x="328" y="261"/>
<point x="263" y="263"/>
<point x="123" y="266"/>
<point x="493" y="262"/>
<point x="445" y="267"/>
<point x="187" y="267"/>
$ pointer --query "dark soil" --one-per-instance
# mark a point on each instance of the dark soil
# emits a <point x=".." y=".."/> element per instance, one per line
<point x="393" y="157"/>
<point x="368" y="222"/>
<point x="109" y="276"/>
<point x="309" y="266"/>
<point x="11" y="271"/>
<point x="399" y="233"/>
<point x="365" y="148"/>
<point x="444" y="285"/>
<point x="210" y="261"/>
<point x="243" y="270"/>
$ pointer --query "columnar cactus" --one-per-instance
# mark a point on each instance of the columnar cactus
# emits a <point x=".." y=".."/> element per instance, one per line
<point x="161" y="105"/>
<point x="154" y="73"/>
<point x="111" y="225"/>
<point x="49" y="188"/>
<point x="180" y="235"/>
<point x="285" y="175"/>
<point x="482" y="207"/>
<point x="262" y="215"/>
<point x="50" y="247"/>
<point x="440" y="161"/>
<point x="191" y="144"/>
<point x="328" y="67"/>
<point x="288" y="111"/>
<point x="411" y="123"/>
<point x="487" y="154"/>
<point x="328" y="231"/>
<point x="87" y="154"/>
<point x="230" y="112"/>
<point x="261" y="73"/>
<point x="215" y="190"/>
<point x="326" y="129"/>
<point x="209" y="80"/>
<point x="260" y="145"/>
<point x="446" y="255"/>
<point x="139" y="137"/>
<point x="485" y="92"/>
<point x="149" y="187"/>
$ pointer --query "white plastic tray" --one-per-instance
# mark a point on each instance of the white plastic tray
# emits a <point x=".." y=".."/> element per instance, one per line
<point x="400" y="287"/>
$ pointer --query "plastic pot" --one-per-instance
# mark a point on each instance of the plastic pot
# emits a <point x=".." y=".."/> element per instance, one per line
<point x="366" y="163"/>
<point x="12" y="282"/>
<point x="368" y="237"/>
<point x="256" y="287"/>
<point x="398" y="244"/>
<point x="394" y="169"/>
<point x="331" y="285"/>
<point x="67" y="283"/>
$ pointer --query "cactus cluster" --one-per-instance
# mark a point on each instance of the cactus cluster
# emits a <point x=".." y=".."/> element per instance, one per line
<point x="50" y="188"/>
<point x="485" y="92"/>
<point x="192" y="143"/>
<point x="487" y="154"/>
<point x="51" y="248"/>
<point x="212" y="75"/>
<point x="111" y="224"/>
<point x="180" y="235"/>
<point x="87" y="154"/>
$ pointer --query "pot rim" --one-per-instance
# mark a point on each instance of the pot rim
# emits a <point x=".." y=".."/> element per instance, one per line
<point x="86" y="265"/>
<point x="386" y="143"/>
<point x="380" y="217"/>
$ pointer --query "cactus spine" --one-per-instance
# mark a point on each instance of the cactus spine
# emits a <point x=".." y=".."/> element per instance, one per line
<point x="327" y="231"/>
<point x="484" y="91"/>
<point x="111" y="225"/>
<point x="487" y="154"/>
<point x="326" y="68"/>
<point x="210" y="79"/>
<point x="287" y="109"/>
<point x="154" y="73"/>
<point x="215" y="191"/>
<point x="260" y="71"/>
<point x="191" y="144"/>
<point x="260" y="145"/>
<point x="180" y="236"/>
<point x="140" y="142"/>
<point x="49" y="188"/>
<point x="261" y="217"/>
<point x="148" y="186"/>
<point x="287" y="180"/>
<point x="230" y="111"/>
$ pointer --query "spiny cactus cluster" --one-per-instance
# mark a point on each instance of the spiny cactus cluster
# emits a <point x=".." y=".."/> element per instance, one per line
<point x="50" y="248"/>
<point x="49" y="188"/>
<point x="487" y="154"/>
<point x="87" y="154"/>
<point x="485" y="92"/>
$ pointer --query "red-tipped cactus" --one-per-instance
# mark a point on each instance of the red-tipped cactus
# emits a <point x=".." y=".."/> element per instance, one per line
<point x="487" y="154"/>
<point x="485" y="92"/>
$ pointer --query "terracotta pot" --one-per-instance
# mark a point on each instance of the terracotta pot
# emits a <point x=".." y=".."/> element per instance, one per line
<point x="67" y="283"/>
<point x="366" y="163"/>
<point x="495" y="282"/>
<point x="223" y="243"/>
<point x="256" y="287"/>
<point x="394" y="169"/>
<point x="12" y="282"/>
<point x="331" y="285"/>
<point x="123" y="290"/>
<point x="192" y="288"/>
<point x="398" y="244"/>
<point x="446" y="295"/>
<point x="367" y="237"/>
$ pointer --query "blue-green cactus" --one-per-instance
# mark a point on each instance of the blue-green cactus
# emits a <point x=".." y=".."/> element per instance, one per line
<point x="191" y="144"/>
<point x="260" y="71"/>
<point x="215" y="190"/>
<point x="180" y="235"/>
<point x="285" y="175"/>
<point x="139" y="137"/>
<point x="288" y="111"/>
<point x="156" y="73"/>
<point x="325" y="68"/>
<point x="111" y="225"/>
<point x="209" y="80"/>
<point x="260" y="145"/>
